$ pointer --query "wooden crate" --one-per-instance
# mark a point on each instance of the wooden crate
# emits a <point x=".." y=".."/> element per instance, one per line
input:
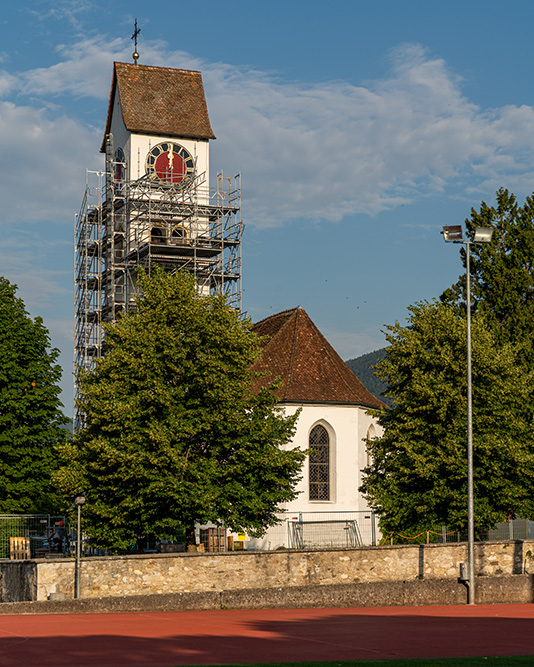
<point x="19" y="548"/>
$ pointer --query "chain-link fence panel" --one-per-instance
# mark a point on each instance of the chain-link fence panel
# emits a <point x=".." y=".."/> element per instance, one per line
<point x="37" y="527"/>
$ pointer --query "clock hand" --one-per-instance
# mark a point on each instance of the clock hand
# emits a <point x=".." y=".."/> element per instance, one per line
<point x="171" y="158"/>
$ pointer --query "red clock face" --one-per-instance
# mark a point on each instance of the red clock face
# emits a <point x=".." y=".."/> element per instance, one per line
<point x="170" y="163"/>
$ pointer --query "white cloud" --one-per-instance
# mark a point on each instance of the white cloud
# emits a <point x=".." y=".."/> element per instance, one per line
<point x="67" y="9"/>
<point x="86" y="67"/>
<point x="320" y="152"/>
<point x="326" y="151"/>
<point x="85" y="70"/>
<point x="8" y="82"/>
<point x="314" y="151"/>
<point x="40" y="286"/>
<point x="44" y="163"/>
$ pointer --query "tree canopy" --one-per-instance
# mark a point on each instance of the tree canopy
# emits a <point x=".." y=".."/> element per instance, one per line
<point x="174" y="434"/>
<point x="31" y="420"/>
<point x="502" y="272"/>
<point x="417" y="478"/>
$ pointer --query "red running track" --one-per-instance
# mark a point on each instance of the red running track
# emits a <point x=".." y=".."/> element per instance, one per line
<point x="164" y="639"/>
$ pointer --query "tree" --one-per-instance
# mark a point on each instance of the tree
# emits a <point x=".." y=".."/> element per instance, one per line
<point x="174" y="433"/>
<point x="502" y="272"/>
<point x="417" y="478"/>
<point x="31" y="420"/>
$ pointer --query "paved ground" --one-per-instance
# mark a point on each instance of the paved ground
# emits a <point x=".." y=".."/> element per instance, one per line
<point x="163" y="639"/>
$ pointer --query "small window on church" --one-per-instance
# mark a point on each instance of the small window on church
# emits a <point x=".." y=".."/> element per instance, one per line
<point x="319" y="463"/>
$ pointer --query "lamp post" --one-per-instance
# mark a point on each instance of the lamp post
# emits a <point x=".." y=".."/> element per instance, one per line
<point x="78" y="501"/>
<point x="454" y="234"/>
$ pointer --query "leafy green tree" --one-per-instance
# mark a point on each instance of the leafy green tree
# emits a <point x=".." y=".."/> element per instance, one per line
<point x="417" y="478"/>
<point x="502" y="272"/>
<point x="31" y="420"/>
<point x="175" y="434"/>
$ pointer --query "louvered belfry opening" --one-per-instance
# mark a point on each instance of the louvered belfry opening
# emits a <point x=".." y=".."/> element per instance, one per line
<point x="319" y="444"/>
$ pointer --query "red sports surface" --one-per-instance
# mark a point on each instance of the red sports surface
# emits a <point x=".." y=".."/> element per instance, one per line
<point x="163" y="639"/>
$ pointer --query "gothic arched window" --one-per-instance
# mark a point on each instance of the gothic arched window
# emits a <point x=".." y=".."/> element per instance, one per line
<point x="319" y="444"/>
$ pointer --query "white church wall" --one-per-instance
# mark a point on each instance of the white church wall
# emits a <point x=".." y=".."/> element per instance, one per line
<point x="348" y="424"/>
<point x="347" y="427"/>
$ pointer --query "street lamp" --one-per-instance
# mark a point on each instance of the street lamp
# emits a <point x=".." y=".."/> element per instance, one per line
<point x="78" y="501"/>
<point x="454" y="234"/>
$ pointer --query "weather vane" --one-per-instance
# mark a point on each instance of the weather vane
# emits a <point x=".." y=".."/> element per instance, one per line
<point x="137" y="30"/>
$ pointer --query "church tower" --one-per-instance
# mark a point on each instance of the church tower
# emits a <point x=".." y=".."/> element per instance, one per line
<point x="153" y="204"/>
<point x="159" y="122"/>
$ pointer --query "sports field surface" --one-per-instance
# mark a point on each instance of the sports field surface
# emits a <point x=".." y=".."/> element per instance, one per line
<point x="173" y="639"/>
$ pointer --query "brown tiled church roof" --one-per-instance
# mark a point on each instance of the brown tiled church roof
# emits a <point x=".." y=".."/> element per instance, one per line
<point x="310" y="369"/>
<point x="160" y="100"/>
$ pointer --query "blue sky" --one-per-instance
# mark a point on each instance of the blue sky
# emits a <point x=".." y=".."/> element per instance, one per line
<point x="360" y="129"/>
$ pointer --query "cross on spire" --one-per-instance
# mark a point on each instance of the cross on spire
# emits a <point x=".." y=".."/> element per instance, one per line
<point x="137" y="30"/>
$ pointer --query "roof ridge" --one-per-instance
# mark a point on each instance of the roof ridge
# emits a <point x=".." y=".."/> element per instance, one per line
<point x="283" y="312"/>
<point x="173" y="69"/>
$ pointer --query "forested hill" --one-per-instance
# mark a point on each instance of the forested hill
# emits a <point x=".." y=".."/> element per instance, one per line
<point x="362" y="369"/>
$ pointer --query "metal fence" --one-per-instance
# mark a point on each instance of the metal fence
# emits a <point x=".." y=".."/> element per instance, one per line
<point x="296" y="530"/>
<point x="37" y="527"/>
<point x="318" y="530"/>
<point x="331" y="530"/>
<point x="515" y="529"/>
<point x="336" y="533"/>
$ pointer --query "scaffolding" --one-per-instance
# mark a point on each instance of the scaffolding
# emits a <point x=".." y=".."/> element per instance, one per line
<point x="123" y="225"/>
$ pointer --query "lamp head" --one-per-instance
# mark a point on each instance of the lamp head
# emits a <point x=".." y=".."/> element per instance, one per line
<point x="453" y="234"/>
<point x="482" y="234"/>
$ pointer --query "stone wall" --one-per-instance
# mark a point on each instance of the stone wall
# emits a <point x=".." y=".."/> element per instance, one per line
<point x="505" y="589"/>
<point x="18" y="580"/>
<point x="196" y="573"/>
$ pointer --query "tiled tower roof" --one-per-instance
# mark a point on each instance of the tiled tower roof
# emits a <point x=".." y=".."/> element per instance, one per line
<point x="309" y="367"/>
<point x="161" y="101"/>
